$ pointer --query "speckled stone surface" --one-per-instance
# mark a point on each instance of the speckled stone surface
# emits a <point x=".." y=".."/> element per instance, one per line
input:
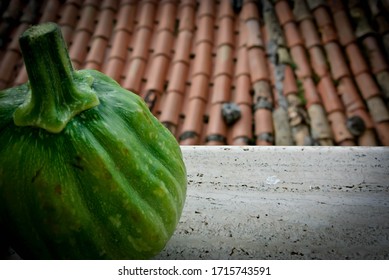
<point x="284" y="203"/>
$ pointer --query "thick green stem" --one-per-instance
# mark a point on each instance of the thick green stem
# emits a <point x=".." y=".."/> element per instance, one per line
<point x="57" y="92"/>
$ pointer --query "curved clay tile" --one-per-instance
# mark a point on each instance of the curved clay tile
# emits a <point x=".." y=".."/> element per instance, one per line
<point x="177" y="81"/>
<point x="166" y="16"/>
<point x="375" y="55"/>
<point x="328" y="34"/>
<point x="119" y="45"/>
<point x="105" y="24"/>
<point x="199" y="88"/>
<point x="253" y="34"/>
<point x="7" y="67"/>
<point x="96" y="54"/>
<point x="258" y="65"/>
<point x="335" y="5"/>
<point x="225" y="34"/>
<point x="299" y="56"/>
<point x="146" y="15"/>
<point x="367" y="85"/>
<point x="87" y="18"/>
<point x="243" y="90"/>
<point x="342" y="136"/>
<point x="217" y="128"/>
<point x="262" y="90"/>
<point x="309" y="33"/>
<point x="50" y="11"/>
<point x="14" y="43"/>
<point x="378" y="110"/>
<point x="337" y="61"/>
<point x="183" y="47"/>
<point x="383" y="132"/>
<point x="284" y="12"/>
<point x="164" y="42"/>
<point x="310" y="92"/>
<point x="357" y="62"/>
<point x="329" y="95"/>
<point x="292" y="35"/>
<point x="301" y="11"/>
<point x="206" y="8"/>
<point x="242" y="64"/>
<point x="78" y="48"/>
<point x="110" y="5"/>
<point x="202" y="63"/>
<point x="186" y="17"/>
<point x="264" y="131"/>
<point x="68" y="21"/>
<point x="171" y="111"/>
<point x="113" y="68"/>
<point x="322" y="17"/>
<point x="134" y="74"/>
<point x="368" y="138"/>
<point x="242" y="129"/>
<point x="221" y="89"/>
<point x="125" y="17"/>
<point x="289" y="82"/>
<point x="350" y="95"/>
<point x="156" y="76"/>
<point x="225" y="9"/>
<point x="224" y="61"/>
<point x="11" y="57"/>
<point x="193" y="123"/>
<point x="320" y="128"/>
<point x="318" y="61"/>
<point x="205" y="30"/>
<point x="141" y="43"/>
<point x="343" y="27"/>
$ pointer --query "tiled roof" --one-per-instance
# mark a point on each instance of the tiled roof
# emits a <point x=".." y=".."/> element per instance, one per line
<point x="311" y="72"/>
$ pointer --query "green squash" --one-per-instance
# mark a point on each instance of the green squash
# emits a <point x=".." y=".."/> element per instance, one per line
<point x="86" y="171"/>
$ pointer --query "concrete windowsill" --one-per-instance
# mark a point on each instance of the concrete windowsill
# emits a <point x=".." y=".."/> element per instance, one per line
<point x="284" y="203"/>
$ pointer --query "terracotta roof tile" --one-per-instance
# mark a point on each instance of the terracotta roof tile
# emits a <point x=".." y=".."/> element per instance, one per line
<point x="343" y="26"/>
<point x="263" y="119"/>
<point x="199" y="88"/>
<point x="193" y="124"/>
<point x="374" y="55"/>
<point x="309" y="33"/>
<point x="221" y="89"/>
<point x="367" y="85"/>
<point x="284" y="12"/>
<point x="329" y="95"/>
<point x="177" y="82"/>
<point x="203" y="59"/>
<point x="292" y="35"/>
<point x="242" y="129"/>
<point x="170" y="115"/>
<point x="294" y="70"/>
<point x="300" y="58"/>
<point x="319" y="61"/>
<point x="125" y="17"/>
<point x="338" y="65"/>
<point x="350" y="95"/>
<point x="310" y="92"/>
<point x="217" y="128"/>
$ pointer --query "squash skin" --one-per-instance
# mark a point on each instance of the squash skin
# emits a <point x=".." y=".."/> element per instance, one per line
<point x="111" y="185"/>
